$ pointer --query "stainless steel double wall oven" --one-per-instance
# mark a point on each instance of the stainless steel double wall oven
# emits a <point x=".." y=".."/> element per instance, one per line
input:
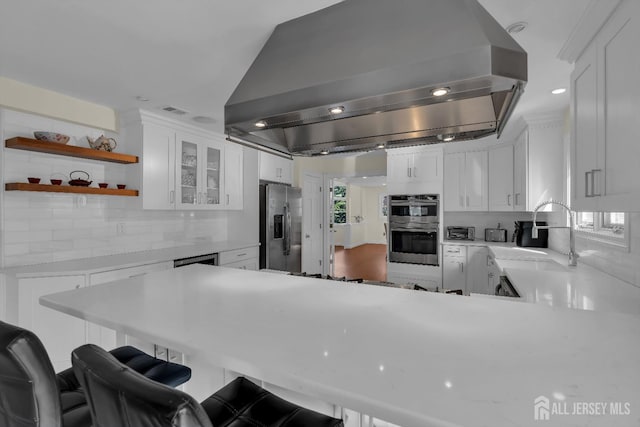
<point x="413" y="227"/>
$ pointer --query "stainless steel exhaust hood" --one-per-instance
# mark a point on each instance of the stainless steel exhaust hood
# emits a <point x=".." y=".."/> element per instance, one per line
<point x="363" y="74"/>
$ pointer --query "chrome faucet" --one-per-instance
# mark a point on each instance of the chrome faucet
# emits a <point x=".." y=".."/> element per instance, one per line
<point x="573" y="255"/>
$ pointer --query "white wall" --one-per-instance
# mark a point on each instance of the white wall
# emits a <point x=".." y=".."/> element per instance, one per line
<point x="373" y="220"/>
<point x="46" y="227"/>
<point x="364" y="202"/>
<point x="23" y="97"/>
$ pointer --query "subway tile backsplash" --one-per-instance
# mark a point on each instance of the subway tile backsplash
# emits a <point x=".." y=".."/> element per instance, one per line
<point x="48" y="227"/>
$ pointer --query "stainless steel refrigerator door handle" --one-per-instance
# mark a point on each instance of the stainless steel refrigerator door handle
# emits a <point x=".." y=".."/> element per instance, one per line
<point x="508" y="199"/>
<point x="288" y="218"/>
<point x="593" y="181"/>
<point x="586" y="183"/>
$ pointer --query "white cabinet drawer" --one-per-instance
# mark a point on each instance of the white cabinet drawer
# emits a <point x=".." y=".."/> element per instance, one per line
<point x="247" y="264"/>
<point x="455" y="251"/>
<point x="125" y="273"/>
<point x="228" y="257"/>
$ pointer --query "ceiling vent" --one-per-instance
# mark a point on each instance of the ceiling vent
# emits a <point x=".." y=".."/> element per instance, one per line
<point x="174" y="110"/>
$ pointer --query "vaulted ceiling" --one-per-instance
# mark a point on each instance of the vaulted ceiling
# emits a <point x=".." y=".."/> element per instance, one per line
<point x="191" y="54"/>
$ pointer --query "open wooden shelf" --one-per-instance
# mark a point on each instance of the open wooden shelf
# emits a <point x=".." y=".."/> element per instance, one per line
<point x="29" y="144"/>
<point x="23" y="186"/>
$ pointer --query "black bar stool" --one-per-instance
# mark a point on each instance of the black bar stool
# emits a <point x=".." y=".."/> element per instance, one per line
<point x="119" y="396"/>
<point x="33" y="395"/>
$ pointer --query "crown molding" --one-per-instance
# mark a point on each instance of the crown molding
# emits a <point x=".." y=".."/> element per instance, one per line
<point x="593" y="18"/>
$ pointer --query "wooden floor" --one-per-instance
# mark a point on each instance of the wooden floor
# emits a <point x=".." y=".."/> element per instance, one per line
<point x="362" y="262"/>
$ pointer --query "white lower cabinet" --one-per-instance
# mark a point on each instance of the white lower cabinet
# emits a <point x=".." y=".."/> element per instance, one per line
<point x="477" y="272"/>
<point x="454" y="275"/>
<point x="245" y="259"/>
<point x="466" y="268"/>
<point x="59" y="332"/>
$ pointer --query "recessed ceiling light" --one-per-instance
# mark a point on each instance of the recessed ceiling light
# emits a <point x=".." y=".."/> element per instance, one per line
<point x="324" y="152"/>
<point x="204" y="119"/>
<point x="441" y="91"/>
<point x="261" y="124"/>
<point x="380" y="145"/>
<point x="142" y="98"/>
<point x="364" y="177"/>
<point x="559" y="91"/>
<point x="517" y="27"/>
<point x="448" y="138"/>
<point x="336" y="110"/>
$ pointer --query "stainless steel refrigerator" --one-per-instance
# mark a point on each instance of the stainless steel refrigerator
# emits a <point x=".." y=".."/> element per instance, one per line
<point x="280" y="227"/>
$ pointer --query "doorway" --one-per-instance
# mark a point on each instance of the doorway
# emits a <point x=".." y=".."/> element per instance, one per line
<point x="358" y="221"/>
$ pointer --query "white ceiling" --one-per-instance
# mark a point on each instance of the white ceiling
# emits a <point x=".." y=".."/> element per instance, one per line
<point x="191" y="54"/>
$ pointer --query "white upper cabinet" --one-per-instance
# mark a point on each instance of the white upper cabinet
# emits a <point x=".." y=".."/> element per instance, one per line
<point x="275" y="168"/>
<point x="181" y="167"/>
<point x="605" y="102"/>
<point x="520" y="171"/>
<point x="414" y="170"/>
<point x="158" y="157"/>
<point x="233" y="176"/>
<point x="501" y="178"/>
<point x="466" y="181"/>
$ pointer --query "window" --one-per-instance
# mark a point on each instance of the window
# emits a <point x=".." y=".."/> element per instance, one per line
<point x="611" y="227"/>
<point x="340" y="204"/>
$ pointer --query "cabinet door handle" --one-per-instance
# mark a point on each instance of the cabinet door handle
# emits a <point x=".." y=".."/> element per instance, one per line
<point x="516" y="197"/>
<point x="409" y="172"/>
<point x="244" y="254"/>
<point x="593" y="181"/>
<point x="462" y="267"/>
<point x="586" y="183"/>
<point x="172" y="197"/>
<point x="508" y="199"/>
<point x="227" y="199"/>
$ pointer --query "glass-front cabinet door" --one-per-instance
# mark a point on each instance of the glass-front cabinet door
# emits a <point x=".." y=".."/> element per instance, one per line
<point x="188" y="173"/>
<point x="211" y="193"/>
<point x="200" y="170"/>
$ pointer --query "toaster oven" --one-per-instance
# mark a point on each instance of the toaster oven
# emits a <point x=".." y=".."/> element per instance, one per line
<point x="461" y="233"/>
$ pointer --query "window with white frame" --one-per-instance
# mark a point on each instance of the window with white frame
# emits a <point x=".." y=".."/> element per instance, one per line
<point x="339" y="204"/>
<point x="609" y="227"/>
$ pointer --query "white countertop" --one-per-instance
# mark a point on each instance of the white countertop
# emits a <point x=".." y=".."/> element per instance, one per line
<point x="110" y="262"/>
<point x="417" y="359"/>
<point x="543" y="276"/>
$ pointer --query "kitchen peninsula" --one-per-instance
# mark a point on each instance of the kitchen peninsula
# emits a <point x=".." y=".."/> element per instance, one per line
<point x="412" y="358"/>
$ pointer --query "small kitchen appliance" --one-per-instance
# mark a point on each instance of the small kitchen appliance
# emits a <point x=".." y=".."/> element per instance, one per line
<point x="522" y="235"/>
<point x="461" y="233"/>
<point x="495" y="234"/>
